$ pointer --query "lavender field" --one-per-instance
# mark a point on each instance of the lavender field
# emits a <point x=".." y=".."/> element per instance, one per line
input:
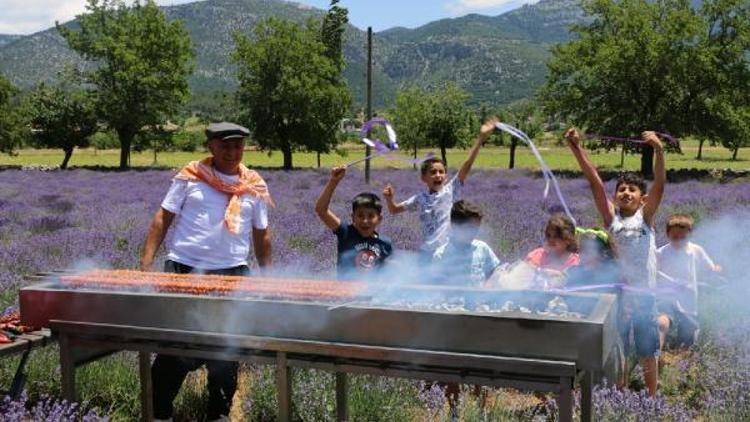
<point x="52" y="220"/>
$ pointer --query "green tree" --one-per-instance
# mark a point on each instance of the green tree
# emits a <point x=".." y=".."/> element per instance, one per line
<point x="410" y="114"/>
<point x="724" y="64"/>
<point x="157" y="138"/>
<point x="446" y="125"/>
<point x="142" y="62"/>
<point x="526" y="116"/>
<point x="11" y="124"/>
<point x="628" y="70"/>
<point x="61" y="116"/>
<point x="291" y="90"/>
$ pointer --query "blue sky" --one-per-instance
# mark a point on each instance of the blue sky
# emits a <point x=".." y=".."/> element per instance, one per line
<point x="29" y="16"/>
<point x="384" y="14"/>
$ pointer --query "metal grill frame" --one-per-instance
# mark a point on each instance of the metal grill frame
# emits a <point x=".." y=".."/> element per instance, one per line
<point x="94" y="323"/>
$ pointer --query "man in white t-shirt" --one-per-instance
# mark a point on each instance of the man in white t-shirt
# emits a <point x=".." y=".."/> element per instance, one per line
<point x="220" y="206"/>
<point x="679" y="263"/>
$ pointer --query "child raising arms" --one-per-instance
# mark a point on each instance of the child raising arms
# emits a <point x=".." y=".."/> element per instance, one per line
<point x="361" y="250"/>
<point x="629" y="216"/>
<point x="434" y="205"/>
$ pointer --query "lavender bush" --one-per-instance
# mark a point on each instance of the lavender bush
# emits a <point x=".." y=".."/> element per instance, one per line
<point x="64" y="219"/>
<point x="47" y="409"/>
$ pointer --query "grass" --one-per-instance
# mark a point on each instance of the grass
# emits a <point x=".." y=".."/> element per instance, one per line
<point x="557" y="157"/>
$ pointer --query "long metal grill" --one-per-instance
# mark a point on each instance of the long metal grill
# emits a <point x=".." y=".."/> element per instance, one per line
<point x="523" y="339"/>
<point x="531" y="324"/>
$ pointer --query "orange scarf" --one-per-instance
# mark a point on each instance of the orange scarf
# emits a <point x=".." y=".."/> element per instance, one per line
<point x="250" y="182"/>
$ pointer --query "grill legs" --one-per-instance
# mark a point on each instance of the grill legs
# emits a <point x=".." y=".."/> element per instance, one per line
<point x="67" y="369"/>
<point x="76" y="350"/>
<point x="587" y="383"/>
<point x="342" y="409"/>
<point x="284" y="387"/>
<point x="144" y="369"/>
<point x="565" y="406"/>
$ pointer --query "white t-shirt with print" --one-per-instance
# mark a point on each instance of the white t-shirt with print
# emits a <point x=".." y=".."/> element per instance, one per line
<point x="434" y="210"/>
<point x="200" y="238"/>
<point x="682" y="266"/>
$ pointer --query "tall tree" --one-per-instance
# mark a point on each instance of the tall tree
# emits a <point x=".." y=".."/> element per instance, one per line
<point x="626" y="71"/>
<point x="446" y="125"/>
<point x="524" y="115"/>
<point x="410" y="114"/>
<point x="61" y="117"/>
<point x="142" y="62"/>
<point x="290" y="90"/>
<point x="10" y="120"/>
<point x="724" y="60"/>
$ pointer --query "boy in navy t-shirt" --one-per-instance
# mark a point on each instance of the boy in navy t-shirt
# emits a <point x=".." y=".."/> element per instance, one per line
<point x="361" y="250"/>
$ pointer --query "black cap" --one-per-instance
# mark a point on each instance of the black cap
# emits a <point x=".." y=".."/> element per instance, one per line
<point x="226" y="130"/>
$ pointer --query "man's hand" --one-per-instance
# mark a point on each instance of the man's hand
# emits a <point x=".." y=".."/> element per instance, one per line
<point x="573" y="136"/>
<point x="147" y="266"/>
<point x="388" y="192"/>
<point x="717" y="268"/>
<point x="652" y="140"/>
<point x="338" y="173"/>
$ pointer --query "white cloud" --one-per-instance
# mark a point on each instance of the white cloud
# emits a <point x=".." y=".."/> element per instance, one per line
<point x="462" y="7"/>
<point x="28" y="16"/>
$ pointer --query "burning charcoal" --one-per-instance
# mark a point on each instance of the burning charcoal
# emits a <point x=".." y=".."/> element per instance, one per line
<point x="557" y="305"/>
<point x="508" y="306"/>
<point x="453" y="307"/>
<point x="484" y="308"/>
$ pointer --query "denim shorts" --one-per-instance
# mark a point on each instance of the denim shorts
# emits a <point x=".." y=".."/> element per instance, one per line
<point x="683" y="327"/>
<point x="638" y="316"/>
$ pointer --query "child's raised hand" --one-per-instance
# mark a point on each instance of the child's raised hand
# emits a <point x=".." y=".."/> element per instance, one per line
<point x="488" y="127"/>
<point x="388" y="192"/>
<point x="651" y="139"/>
<point x="338" y="173"/>
<point x="573" y="136"/>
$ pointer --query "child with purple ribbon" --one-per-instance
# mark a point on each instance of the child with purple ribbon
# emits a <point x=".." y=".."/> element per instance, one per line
<point x="362" y="251"/>
<point x="630" y="219"/>
<point x="434" y="205"/>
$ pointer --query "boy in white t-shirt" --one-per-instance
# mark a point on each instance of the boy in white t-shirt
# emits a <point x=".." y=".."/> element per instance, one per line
<point x="434" y="205"/>
<point x="679" y="262"/>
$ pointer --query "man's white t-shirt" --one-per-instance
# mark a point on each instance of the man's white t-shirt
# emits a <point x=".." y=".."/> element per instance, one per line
<point x="200" y="239"/>
<point x="682" y="267"/>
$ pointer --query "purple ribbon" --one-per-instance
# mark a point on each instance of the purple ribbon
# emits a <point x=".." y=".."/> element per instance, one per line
<point x="367" y="127"/>
<point x="667" y="137"/>
<point x="382" y="149"/>
<point x="675" y="286"/>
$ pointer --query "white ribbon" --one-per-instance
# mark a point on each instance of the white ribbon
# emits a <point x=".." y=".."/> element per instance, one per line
<point x="549" y="177"/>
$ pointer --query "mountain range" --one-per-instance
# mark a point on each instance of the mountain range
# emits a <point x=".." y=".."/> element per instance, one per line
<point x="497" y="59"/>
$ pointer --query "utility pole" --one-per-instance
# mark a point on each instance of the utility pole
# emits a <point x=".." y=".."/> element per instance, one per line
<point x="368" y="115"/>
